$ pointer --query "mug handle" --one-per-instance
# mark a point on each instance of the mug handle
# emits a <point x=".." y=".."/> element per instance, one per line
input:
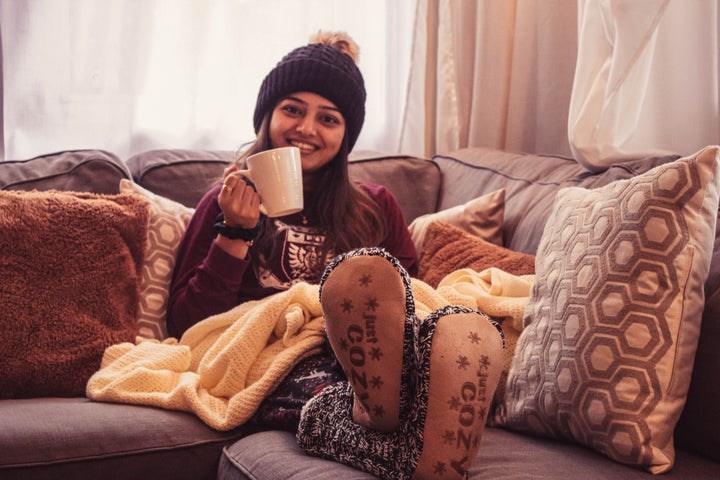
<point x="248" y="175"/>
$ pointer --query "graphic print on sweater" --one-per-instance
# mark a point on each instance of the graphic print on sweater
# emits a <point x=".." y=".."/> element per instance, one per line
<point x="300" y="248"/>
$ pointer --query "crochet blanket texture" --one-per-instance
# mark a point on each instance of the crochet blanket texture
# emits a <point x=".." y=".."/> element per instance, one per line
<point x="223" y="367"/>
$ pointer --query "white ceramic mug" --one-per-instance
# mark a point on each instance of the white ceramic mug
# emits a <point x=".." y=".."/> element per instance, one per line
<point x="277" y="175"/>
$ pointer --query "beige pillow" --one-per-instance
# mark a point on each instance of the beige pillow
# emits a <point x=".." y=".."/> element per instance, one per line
<point x="168" y="220"/>
<point x="481" y="216"/>
<point x="613" y="319"/>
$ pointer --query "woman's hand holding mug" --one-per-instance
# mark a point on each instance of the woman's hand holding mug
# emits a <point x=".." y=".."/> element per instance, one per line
<point x="238" y="200"/>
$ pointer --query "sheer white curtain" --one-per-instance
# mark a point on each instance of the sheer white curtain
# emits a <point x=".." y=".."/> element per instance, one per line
<point x="493" y="73"/>
<point x="603" y="80"/>
<point x="131" y="75"/>
<point x="646" y="81"/>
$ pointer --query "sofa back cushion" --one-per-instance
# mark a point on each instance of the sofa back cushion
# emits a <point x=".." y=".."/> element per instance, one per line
<point x="180" y="175"/>
<point x="186" y="175"/>
<point x="95" y="171"/>
<point x="415" y="182"/>
<point x="530" y="182"/>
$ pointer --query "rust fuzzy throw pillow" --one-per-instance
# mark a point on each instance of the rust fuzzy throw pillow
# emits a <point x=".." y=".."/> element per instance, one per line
<point x="70" y="270"/>
<point x="448" y="248"/>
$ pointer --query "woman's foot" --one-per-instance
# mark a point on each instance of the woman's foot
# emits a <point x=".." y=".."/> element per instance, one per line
<point x="369" y="319"/>
<point x="461" y="361"/>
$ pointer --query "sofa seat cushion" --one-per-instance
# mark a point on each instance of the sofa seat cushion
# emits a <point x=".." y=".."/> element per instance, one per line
<point x="275" y="454"/>
<point x="503" y="455"/>
<point x="513" y="456"/>
<point x="77" y="438"/>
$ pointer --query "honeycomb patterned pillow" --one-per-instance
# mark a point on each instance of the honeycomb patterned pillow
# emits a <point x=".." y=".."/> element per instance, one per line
<point x="613" y="318"/>
<point x="167" y="223"/>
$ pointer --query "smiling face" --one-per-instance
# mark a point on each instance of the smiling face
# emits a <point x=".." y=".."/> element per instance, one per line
<point x="310" y="122"/>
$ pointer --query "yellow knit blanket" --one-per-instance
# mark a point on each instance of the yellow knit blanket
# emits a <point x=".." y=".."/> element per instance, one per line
<point x="223" y="367"/>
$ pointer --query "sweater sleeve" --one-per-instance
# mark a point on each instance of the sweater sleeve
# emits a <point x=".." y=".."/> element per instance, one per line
<point x="398" y="241"/>
<point x="206" y="279"/>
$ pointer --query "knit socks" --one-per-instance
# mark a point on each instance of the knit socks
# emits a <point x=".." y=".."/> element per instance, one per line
<point x="430" y="424"/>
<point x="368" y="309"/>
<point x="464" y="358"/>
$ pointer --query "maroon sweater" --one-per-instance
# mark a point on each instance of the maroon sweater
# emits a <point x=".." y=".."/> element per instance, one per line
<point x="207" y="280"/>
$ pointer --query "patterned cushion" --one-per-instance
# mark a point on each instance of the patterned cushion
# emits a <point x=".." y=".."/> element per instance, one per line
<point x="612" y="323"/>
<point x="167" y="223"/>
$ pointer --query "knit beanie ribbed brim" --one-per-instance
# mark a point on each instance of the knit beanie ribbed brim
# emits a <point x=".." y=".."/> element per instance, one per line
<point x="320" y="69"/>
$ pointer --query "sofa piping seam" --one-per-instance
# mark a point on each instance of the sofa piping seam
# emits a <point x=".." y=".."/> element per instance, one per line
<point x="119" y="454"/>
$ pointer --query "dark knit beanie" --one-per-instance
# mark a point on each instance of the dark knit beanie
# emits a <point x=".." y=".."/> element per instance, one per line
<point x="321" y="69"/>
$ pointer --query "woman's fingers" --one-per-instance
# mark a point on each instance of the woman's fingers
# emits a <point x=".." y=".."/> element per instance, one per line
<point x="239" y="202"/>
<point x="234" y="177"/>
<point x="229" y="170"/>
<point x="230" y="181"/>
<point x="234" y="184"/>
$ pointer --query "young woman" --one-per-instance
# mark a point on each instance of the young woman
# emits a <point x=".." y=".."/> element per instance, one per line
<point x="370" y="401"/>
<point x="314" y="99"/>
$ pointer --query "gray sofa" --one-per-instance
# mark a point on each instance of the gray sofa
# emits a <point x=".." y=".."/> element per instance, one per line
<point x="77" y="438"/>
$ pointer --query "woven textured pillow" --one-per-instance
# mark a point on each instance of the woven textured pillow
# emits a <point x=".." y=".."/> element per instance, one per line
<point x="166" y="226"/>
<point x="613" y="319"/>
<point x="448" y="248"/>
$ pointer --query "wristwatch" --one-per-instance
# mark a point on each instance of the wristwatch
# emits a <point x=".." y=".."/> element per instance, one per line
<point x="235" y="233"/>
